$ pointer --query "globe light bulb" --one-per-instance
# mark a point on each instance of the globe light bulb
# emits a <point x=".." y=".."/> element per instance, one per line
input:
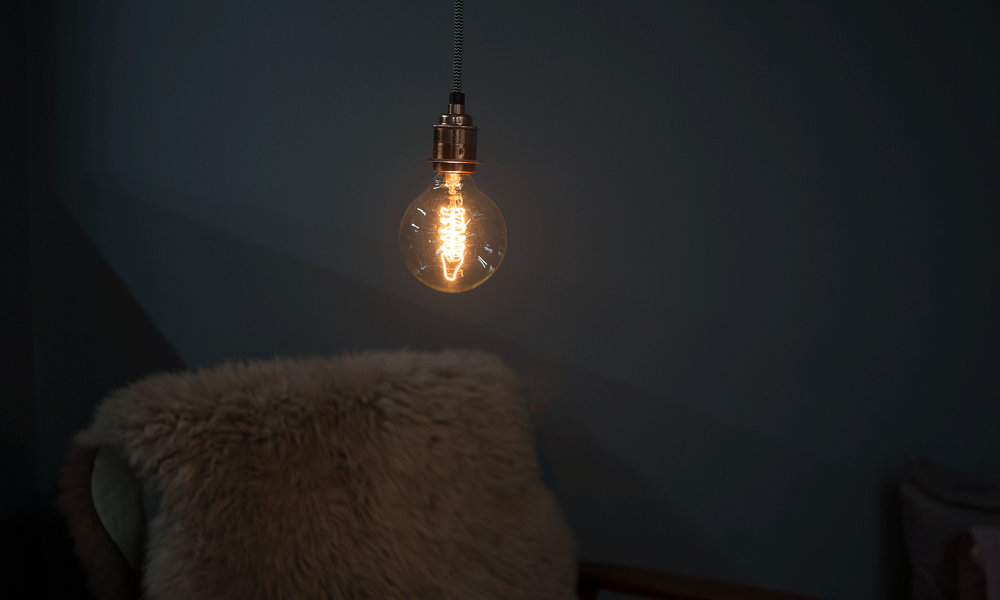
<point x="453" y="237"/>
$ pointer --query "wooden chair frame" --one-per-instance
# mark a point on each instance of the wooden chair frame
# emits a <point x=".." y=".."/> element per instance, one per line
<point x="595" y="577"/>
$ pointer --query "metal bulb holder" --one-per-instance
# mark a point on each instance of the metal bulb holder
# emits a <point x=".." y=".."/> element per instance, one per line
<point x="455" y="139"/>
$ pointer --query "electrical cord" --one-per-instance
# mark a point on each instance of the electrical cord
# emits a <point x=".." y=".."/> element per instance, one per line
<point x="456" y="63"/>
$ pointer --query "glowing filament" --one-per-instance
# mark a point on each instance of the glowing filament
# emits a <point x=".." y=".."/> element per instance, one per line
<point x="452" y="230"/>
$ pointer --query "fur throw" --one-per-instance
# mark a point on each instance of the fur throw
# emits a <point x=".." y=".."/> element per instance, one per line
<point x="379" y="475"/>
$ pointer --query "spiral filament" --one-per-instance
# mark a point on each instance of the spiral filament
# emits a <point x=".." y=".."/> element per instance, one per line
<point x="452" y="230"/>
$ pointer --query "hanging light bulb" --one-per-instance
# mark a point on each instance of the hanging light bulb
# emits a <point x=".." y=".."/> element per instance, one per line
<point x="452" y="236"/>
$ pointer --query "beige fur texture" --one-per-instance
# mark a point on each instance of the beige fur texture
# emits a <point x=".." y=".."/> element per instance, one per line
<point x="377" y="475"/>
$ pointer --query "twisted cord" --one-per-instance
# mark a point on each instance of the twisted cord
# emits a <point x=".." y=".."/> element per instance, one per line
<point x="456" y="63"/>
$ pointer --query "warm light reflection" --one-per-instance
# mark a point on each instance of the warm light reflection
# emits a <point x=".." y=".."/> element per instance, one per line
<point x="452" y="230"/>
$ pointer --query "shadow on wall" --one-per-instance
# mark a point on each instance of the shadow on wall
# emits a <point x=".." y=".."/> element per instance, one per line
<point x="90" y="337"/>
<point x="688" y="494"/>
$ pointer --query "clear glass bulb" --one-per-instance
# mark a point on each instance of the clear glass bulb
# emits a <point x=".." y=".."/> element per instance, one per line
<point x="452" y="236"/>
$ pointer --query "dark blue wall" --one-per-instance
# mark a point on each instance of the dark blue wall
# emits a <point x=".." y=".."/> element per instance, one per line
<point x="753" y="247"/>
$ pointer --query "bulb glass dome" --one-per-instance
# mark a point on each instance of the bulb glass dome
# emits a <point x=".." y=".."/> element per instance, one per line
<point x="452" y="236"/>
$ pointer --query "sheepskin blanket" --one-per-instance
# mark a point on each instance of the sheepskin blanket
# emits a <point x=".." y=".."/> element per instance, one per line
<point x="378" y="475"/>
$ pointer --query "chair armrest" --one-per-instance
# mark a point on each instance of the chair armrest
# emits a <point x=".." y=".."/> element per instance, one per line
<point x="594" y="577"/>
<point x="109" y="574"/>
